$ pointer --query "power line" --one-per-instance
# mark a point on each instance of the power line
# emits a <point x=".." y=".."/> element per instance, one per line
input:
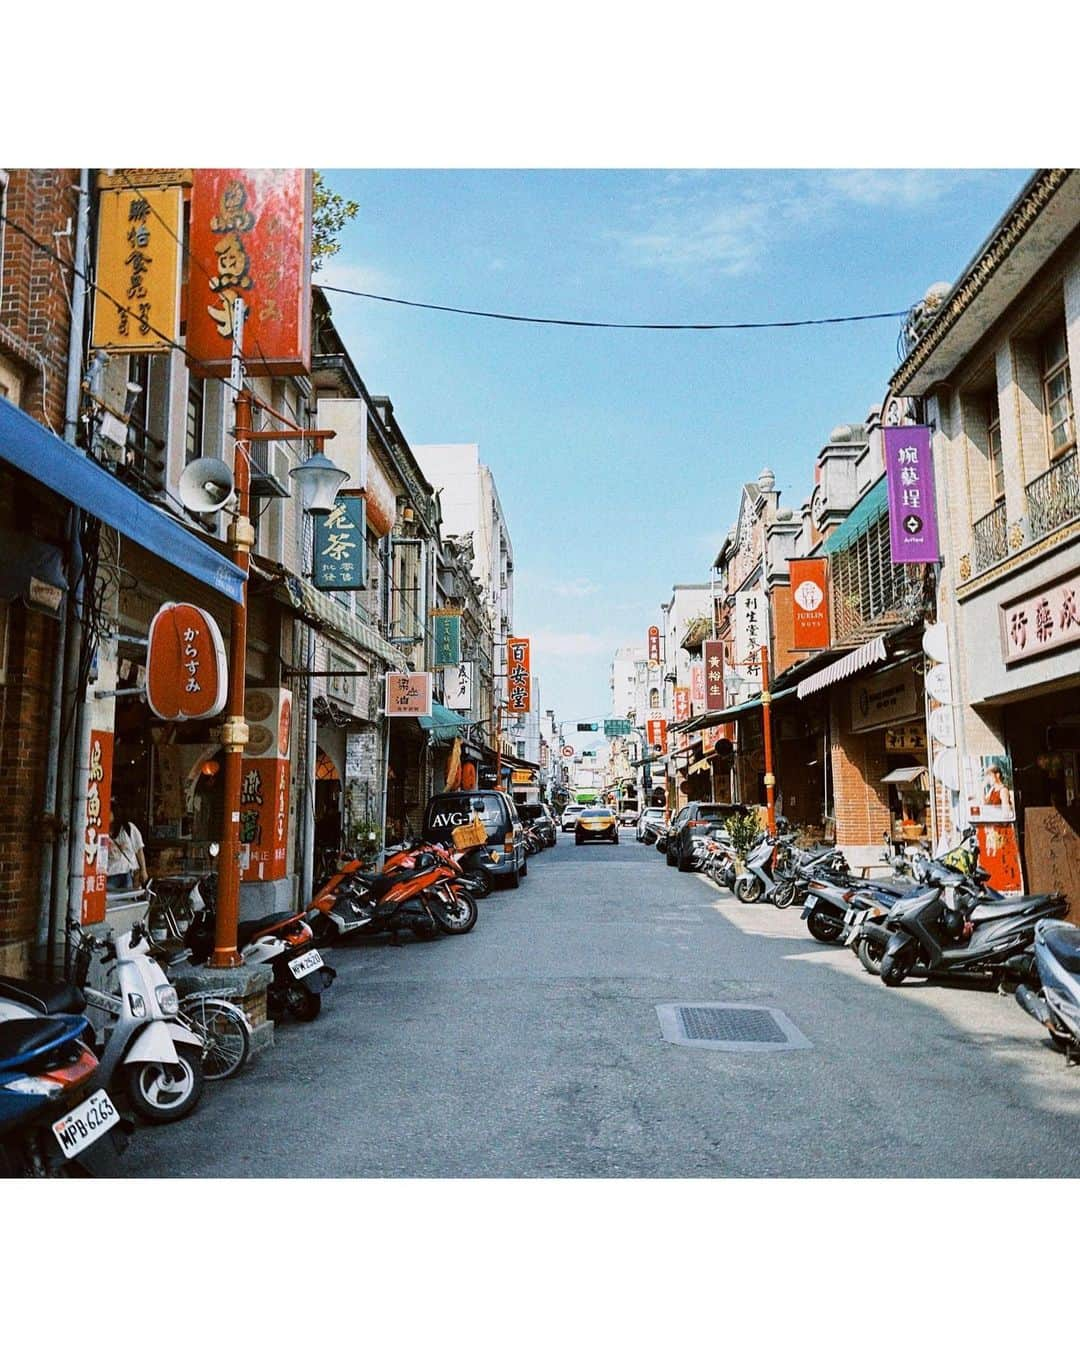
<point x="636" y="327"/>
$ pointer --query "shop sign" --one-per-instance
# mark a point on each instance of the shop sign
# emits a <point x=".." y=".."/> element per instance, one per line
<point x="521" y="778"/>
<point x="697" y="687"/>
<point x="905" y="739"/>
<point x="809" y="608"/>
<point x="751" y="631"/>
<point x="713" y="653"/>
<point x="657" y="734"/>
<point x="186" y="676"/>
<point x="682" y="704"/>
<point x="909" y="468"/>
<point x="251" y="240"/>
<point x="446" y="637"/>
<point x="96" y="829"/>
<point x="988" y="783"/>
<point x="268" y="712"/>
<point x="654" y="646"/>
<point x="884" y="699"/>
<point x="264" y="818"/>
<point x="137" y="295"/>
<point x="942" y="728"/>
<point x="408" y="694"/>
<point x="341" y="545"/>
<point x="1046" y="619"/>
<point x="458" y="687"/>
<point x="517" y="674"/>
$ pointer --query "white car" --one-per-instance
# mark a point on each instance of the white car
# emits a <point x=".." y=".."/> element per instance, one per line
<point x="570" y="817"/>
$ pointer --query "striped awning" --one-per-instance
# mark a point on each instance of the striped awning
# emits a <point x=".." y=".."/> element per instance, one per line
<point x="873" y="652"/>
<point x="320" y="610"/>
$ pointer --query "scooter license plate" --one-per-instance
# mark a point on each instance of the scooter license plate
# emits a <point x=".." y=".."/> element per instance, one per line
<point x="83" y="1125"/>
<point x="305" y="964"/>
<point x="809" y="906"/>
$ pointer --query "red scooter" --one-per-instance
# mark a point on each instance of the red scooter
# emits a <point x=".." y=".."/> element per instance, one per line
<point x="422" y="897"/>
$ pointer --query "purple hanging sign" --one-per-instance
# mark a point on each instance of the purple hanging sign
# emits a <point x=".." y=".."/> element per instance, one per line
<point x="909" y="466"/>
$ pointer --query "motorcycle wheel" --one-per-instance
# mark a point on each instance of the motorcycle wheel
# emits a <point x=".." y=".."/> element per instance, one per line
<point x="824" y="928"/>
<point x="748" y="888"/>
<point x="302" y="1004"/>
<point x="457" y="916"/>
<point x="869" y="956"/>
<point x="784" y="894"/>
<point x="896" y="967"/>
<point x="481" y="883"/>
<point x="161" y="1092"/>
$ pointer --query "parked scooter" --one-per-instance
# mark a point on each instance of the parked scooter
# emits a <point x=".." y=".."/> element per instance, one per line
<point x="419" y="896"/>
<point x="1050" y="990"/>
<point x="147" y="1051"/>
<point x="470" y="877"/>
<point x="282" y="940"/>
<point x="955" y="924"/>
<point x="56" y="1119"/>
<point x="769" y="872"/>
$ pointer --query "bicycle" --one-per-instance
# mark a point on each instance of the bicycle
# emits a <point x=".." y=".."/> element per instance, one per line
<point x="223" y="1027"/>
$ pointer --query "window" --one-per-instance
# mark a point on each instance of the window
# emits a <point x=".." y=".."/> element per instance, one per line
<point x="997" y="463"/>
<point x="193" y="436"/>
<point x="654" y="699"/>
<point x="1057" y="393"/>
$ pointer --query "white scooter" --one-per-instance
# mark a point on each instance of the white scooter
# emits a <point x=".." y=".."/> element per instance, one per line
<point x="146" y="1049"/>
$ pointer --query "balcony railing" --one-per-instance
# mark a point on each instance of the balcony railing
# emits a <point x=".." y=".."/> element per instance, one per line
<point x="1053" y="498"/>
<point x="990" y="540"/>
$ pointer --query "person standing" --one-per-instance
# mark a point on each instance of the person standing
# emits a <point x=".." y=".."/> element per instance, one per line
<point x="127" y="860"/>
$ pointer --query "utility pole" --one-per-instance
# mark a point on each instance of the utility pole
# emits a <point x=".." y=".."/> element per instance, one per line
<point x="766" y="727"/>
<point x="234" y="733"/>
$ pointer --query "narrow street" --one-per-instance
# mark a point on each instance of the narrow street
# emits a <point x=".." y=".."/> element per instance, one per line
<point x="532" y="1048"/>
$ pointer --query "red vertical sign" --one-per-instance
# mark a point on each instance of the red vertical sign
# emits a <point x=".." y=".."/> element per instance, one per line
<point x="654" y="645"/>
<point x="251" y="240"/>
<point x="264" y="817"/>
<point x="98" y="822"/>
<point x="682" y="704"/>
<point x="517" y="675"/>
<point x="808" y="603"/>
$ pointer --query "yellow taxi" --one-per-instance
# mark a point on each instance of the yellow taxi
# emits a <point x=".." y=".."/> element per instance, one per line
<point x="598" y="824"/>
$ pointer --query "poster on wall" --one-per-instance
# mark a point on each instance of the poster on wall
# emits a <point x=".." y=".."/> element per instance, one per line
<point x="999" y="855"/>
<point x="989" y="783"/>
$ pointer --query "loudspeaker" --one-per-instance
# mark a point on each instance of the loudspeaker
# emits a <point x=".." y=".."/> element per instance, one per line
<point x="206" y="486"/>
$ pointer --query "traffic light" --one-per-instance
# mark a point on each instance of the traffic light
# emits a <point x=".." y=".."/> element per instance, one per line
<point x="588" y="725"/>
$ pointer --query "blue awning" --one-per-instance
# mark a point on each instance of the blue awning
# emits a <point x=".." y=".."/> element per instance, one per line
<point x="874" y="503"/>
<point x="36" y="451"/>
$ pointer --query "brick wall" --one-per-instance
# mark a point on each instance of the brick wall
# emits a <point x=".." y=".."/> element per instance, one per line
<point x="33" y="298"/>
<point x="857" y="762"/>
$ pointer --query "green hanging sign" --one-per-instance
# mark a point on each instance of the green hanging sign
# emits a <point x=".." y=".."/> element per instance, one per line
<point x="446" y="637"/>
<point x="341" y="546"/>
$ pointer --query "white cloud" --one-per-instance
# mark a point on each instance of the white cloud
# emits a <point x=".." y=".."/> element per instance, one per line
<point x="728" y="224"/>
<point x="578" y="588"/>
<point x="560" y="644"/>
<point x="354" y="276"/>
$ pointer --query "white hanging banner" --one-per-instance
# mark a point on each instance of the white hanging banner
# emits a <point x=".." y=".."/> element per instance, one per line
<point x="458" y="686"/>
<point x="751" y="631"/>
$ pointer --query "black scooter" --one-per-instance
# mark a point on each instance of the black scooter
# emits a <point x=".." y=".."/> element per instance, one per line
<point x="955" y="925"/>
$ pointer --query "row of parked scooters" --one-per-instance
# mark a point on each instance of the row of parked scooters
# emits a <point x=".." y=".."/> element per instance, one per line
<point x="932" y="917"/>
<point x="57" y="1116"/>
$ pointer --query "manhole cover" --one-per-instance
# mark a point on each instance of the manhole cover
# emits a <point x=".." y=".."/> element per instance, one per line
<point x="729" y="1028"/>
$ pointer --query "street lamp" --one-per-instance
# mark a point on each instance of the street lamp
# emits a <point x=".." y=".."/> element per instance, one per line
<point x="319" y="479"/>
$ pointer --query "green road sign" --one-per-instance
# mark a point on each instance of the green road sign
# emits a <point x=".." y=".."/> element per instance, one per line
<point x="614" y="728"/>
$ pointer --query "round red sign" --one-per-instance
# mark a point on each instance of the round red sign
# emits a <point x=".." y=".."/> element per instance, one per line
<point x="186" y="677"/>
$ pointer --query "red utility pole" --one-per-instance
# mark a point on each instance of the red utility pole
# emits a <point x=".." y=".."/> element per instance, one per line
<point x="234" y="733"/>
<point x="498" y="746"/>
<point x="766" y="725"/>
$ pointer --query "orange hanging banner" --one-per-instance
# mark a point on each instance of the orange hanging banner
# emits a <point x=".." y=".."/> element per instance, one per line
<point x="519" y="683"/>
<point x="809" y="607"/>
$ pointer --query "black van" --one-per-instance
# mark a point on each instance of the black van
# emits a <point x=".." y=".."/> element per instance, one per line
<point x="504" y="853"/>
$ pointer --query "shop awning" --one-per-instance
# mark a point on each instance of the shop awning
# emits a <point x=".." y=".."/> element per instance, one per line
<point x="710" y="718"/>
<point x="320" y="610"/>
<point x="865" y="513"/>
<point x="443" y="724"/>
<point x="873" y="652"/>
<point x="702" y="765"/>
<point x="45" y="457"/>
<point x="903" y="776"/>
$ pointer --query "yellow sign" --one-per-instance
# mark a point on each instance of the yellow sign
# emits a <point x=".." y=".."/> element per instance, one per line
<point x="521" y="778"/>
<point x="137" y="307"/>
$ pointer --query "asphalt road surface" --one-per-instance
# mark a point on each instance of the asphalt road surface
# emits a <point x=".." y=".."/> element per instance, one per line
<point x="533" y="1047"/>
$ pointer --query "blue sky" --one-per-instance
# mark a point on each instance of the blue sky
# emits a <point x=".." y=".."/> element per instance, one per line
<point x="619" y="455"/>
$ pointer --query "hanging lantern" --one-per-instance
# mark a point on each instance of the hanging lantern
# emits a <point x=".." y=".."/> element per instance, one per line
<point x="319" y="480"/>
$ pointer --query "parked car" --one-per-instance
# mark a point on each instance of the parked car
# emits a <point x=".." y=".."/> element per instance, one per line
<point x="628" y="817"/>
<point x="540" y="816"/>
<point x="570" y="816"/>
<point x="504" y="850"/>
<point x="597" y="824"/>
<point x="686" y="835"/>
<point x="648" y="824"/>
